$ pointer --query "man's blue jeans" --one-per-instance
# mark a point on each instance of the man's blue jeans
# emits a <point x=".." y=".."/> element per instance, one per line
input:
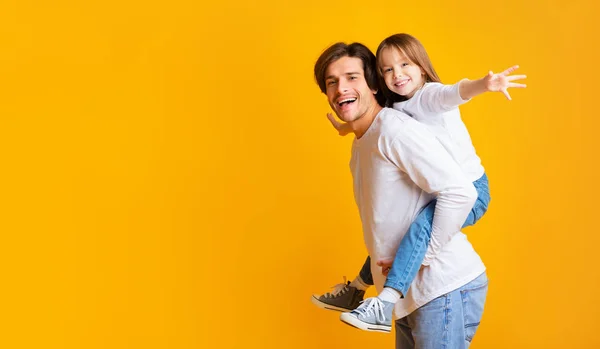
<point x="449" y="321"/>
<point x="413" y="246"/>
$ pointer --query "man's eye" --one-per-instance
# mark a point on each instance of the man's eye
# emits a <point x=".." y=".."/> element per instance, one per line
<point x="331" y="83"/>
<point x="353" y="78"/>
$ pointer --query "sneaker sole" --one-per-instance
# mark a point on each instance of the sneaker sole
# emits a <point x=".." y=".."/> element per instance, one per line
<point x="354" y="322"/>
<point x="326" y="306"/>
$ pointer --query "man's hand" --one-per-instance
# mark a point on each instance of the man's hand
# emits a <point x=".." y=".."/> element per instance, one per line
<point x="342" y="128"/>
<point x="386" y="265"/>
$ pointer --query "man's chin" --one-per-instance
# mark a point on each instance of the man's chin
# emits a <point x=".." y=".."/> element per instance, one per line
<point x="347" y="117"/>
<point x="353" y="118"/>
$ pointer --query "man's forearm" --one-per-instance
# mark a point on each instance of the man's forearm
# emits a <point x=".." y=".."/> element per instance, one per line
<point x="451" y="211"/>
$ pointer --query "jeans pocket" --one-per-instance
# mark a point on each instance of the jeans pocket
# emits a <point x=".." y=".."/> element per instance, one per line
<point x="473" y="301"/>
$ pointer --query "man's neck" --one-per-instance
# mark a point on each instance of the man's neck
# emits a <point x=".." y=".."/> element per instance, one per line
<point x="360" y="126"/>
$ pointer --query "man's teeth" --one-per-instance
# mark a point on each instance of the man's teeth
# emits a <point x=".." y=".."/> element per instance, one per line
<point x="345" y="101"/>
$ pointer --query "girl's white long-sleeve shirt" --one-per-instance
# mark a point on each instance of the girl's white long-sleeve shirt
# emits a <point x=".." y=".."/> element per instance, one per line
<point x="436" y="105"/>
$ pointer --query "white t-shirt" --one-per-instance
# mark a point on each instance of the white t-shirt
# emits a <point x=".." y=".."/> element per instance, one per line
<point x="398" y="166"/>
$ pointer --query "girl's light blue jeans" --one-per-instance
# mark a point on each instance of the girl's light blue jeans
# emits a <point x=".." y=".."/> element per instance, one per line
<point x="413" y="246"/>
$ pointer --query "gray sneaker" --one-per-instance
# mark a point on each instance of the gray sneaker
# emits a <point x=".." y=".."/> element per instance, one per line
<point x="372" y="315"/>
<point x="343" y="298"/>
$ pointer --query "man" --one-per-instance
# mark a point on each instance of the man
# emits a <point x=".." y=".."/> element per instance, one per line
<point x="398" y="166"/>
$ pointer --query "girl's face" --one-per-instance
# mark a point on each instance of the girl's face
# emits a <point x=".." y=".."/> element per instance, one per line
<point x="400" y="74"/>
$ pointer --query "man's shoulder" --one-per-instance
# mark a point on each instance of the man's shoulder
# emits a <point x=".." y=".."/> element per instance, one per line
<point x="393" y="117"/>
<point x="397" y="128"/>
<point x="394" y="121"/>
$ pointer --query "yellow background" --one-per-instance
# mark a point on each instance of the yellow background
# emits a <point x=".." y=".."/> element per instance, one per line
<point x="169" y="179"/>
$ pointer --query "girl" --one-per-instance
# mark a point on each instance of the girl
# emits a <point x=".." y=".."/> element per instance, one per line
<point x="411" y="85"/>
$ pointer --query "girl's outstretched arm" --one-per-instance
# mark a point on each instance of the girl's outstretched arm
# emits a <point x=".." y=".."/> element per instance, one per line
<point x="436" y="98"/>
<point x="500" y="82"/>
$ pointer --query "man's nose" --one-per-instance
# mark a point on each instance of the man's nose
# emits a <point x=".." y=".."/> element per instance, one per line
<point x="342" y="86"/>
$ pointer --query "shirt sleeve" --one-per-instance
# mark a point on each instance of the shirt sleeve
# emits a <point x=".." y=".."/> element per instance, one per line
<point x="421" y="156"/>
<point x="434" y="99"/>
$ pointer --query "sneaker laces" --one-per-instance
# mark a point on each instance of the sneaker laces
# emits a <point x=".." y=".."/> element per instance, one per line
<point x="371" y="306"/>
<point x="338" y="289"/>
